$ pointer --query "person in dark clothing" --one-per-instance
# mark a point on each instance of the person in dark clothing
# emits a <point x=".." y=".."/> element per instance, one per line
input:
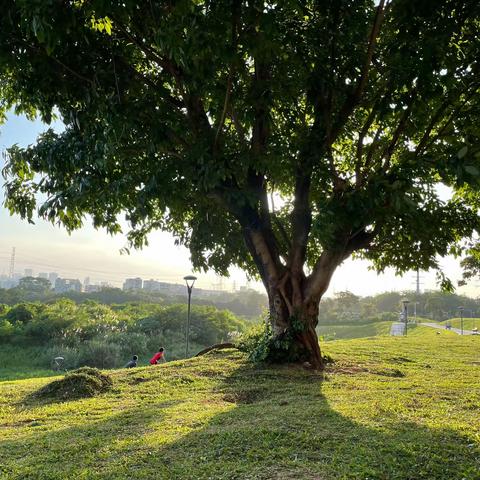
<point x="132" y="363"/>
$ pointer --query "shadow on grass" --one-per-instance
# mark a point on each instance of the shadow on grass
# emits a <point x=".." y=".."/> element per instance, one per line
<point x="261" y="433"/>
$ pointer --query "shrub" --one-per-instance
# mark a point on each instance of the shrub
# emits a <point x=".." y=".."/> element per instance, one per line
<point x="257" y="342"/>
<point x="131" y="342"/>
<point x="250" y="342"/>
<point x="99" y="353"/>
<point x="6" y="330"/>
<point x="261" y="346"/>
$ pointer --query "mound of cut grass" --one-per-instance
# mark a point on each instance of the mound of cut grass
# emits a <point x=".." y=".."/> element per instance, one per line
<point x="81" y="383"/>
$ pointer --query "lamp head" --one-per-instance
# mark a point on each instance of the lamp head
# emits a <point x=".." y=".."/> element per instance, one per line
<point x="190" y="280"/>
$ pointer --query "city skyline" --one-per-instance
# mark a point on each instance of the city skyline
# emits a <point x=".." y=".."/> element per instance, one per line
<point x="94" y="253"/>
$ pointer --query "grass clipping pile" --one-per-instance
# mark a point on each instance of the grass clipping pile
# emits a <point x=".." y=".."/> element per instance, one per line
<point x="81" y="383"/>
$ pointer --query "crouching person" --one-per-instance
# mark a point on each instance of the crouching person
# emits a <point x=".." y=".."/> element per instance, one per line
<point x="158" y="357"/>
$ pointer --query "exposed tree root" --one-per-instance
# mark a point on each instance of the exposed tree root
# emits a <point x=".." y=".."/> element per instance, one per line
<point x="217" y="346"/>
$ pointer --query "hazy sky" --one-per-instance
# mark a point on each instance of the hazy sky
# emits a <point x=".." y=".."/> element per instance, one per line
<point x="92" y="253"/>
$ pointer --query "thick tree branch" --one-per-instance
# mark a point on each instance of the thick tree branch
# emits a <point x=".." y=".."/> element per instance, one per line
<point x="261" y="89"/>
<point x="360" y="240"/>
<point x="371" y="152"/>
<point x="278" y="223"/>
<point x="242" y="136"/>
<point x="257" y="232"/>
<point x="428" y="142"/>
<point x="435" y="119"/>
<point x="361" y="136"/>
<point x="301" y="219"/>
<point x="319" y="280"/>
<point x="353" y="99"/>
<point x="193" y="104"/>
<point x="235" y="21"/>
<point x="388" y="151"/>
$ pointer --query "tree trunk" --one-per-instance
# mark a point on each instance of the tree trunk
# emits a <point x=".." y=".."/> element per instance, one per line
<point x="293" y="323"/>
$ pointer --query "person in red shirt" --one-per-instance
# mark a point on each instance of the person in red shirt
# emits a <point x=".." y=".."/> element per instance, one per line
<point x="158" y="357"/>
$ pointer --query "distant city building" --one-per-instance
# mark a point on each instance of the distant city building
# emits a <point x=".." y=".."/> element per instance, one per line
<point x="133" y="284"/>
<point x="63" y="285"/>
<point x="208" y="293"/>
<point x="86" y="282"/>
<point x="43" y="275"/>
<point x="7" y="282"/>
<point x="52" y="276"/>
<point x="28" y="272"/>
<point x="92" y="288"/>
<point x="163" y="287"/>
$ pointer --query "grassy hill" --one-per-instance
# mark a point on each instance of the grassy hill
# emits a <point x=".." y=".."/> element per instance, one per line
<point x="468" y="323"/>
<point x="388" y="408"/>
<point x="336" y="332"/>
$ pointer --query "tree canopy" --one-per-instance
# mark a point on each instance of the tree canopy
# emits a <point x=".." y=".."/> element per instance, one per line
<point x="281" y="137"/>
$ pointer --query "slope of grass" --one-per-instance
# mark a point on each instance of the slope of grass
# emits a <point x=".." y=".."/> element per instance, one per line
<point x="388" y="408"/>
<point x="17" y="363"/>
<point x="335" y="332"/>
<point x="468" y="323"/>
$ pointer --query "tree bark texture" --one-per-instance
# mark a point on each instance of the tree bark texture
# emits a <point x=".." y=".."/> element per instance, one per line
<point x="294" y="306"/>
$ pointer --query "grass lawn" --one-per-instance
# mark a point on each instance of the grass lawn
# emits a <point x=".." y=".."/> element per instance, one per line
<point x="17" y="363"/>
<point x="388" y="408"/>
<point x="335" y="332"/>
<point x="468" y="323"/>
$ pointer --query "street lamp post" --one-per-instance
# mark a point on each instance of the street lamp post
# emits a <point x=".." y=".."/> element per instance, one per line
<point x="461" y="319"/>
<point x="405" y="303"/>
<point x="189" y="280"/>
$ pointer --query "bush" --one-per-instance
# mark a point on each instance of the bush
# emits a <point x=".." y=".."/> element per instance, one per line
<point x="6" y="330"/>
<point x="71" y="356"/>
<point x="99" y="353"/>
<point x="131" y="342"/>
<point x="256" y="342"/>
<point x="262" y="346"/>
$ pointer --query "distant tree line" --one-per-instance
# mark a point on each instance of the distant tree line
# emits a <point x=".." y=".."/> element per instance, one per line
<point x="347" y="308"/>
<point x="107" y="336"/>
<point x="249" y="303"/>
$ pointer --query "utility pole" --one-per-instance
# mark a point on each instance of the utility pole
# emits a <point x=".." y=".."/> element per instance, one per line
<point x="417" y="280"/>
<point x="12" y="263"/>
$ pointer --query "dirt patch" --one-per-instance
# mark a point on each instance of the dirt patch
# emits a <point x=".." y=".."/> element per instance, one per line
<point x="346" y="369"/>
<point x="137" y="380"/>
<point x="208" y="373"/>
<point x="244" y="397"/>
<point x="401" y="360"/>
<point x="388" y="372"/>
<point x="82" y="383"/>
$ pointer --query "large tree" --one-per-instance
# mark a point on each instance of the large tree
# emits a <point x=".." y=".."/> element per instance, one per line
<point x="281" y="137"/>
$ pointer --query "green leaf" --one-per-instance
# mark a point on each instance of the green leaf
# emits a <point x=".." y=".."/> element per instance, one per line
<point x="462" y="152"/>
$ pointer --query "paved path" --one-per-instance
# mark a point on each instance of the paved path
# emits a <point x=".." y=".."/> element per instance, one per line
<point x="442" y="327"/>
<point x="397" y="329"/>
